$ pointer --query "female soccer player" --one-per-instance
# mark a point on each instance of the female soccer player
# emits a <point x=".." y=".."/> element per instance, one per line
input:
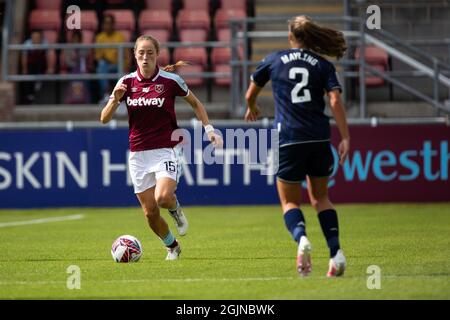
<point x="150" y="94"/>
<point x="300" y="78"/>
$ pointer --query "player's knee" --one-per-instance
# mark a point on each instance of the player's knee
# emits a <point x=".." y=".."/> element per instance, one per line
<point x="164" y="200"/>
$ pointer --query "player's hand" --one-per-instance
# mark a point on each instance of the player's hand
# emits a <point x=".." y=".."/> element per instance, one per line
<point x="119" y="91"/>
<point x="252" y="113"/>
<point x="343" y="149"/>
<point x="215" y="139"/>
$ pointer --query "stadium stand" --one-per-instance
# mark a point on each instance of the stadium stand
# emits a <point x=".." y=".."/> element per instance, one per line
<point x="49" y="4"/>
<point x="208" y="20"/>
<point x="198" y="59"/>
<point x="89" y="26"/>
<point x="125" y="22"/>
<point x="49" y="21"/>
<point x="378" y="59"/>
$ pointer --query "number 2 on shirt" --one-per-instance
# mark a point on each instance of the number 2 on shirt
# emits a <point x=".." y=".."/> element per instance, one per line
<point x="295" y="93"/>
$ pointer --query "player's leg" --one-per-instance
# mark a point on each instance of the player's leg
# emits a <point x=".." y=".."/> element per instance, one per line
<point x="290" y="196"/>
<point x="166" y="198"/>
<point x="155" y="221"/>
<point x="289" y="177"/>
<point x="166" y="186"/>
<point x="318" y="194"/>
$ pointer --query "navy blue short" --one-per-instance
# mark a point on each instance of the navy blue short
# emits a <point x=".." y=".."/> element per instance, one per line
<point x="296" y="161"/>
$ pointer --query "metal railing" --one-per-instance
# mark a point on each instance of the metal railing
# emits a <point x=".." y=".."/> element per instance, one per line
<point x="241" y="33"/>
<point x="438" y="72"/>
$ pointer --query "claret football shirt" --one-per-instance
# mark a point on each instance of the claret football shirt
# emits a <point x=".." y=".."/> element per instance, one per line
<point x="151" y="108"/>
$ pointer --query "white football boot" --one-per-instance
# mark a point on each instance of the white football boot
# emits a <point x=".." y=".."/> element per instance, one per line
<point x="304" y="257"/>
<point x="181" y="222"/>
<point x="337" y="265"/>
<point x="173" y="253"/>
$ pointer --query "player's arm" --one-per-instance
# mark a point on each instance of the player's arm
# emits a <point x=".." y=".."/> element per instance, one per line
<point x="113" y="103"/>
<point x="253" y="110"/>
<point x="337" y="108"/>
<point x="202" y="115"/>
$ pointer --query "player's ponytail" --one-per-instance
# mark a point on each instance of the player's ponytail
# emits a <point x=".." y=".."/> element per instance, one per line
<point x="173" y="67"/>
<point x="317" y="38"/>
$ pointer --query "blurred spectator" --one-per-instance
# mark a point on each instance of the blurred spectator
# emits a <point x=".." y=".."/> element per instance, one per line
<point x="107" y="58"/>
<point x="35" y="62"/>
<point x="76" y="61"/>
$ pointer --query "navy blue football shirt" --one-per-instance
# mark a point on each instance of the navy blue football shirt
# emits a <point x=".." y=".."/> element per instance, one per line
<point x="300" y="79"/>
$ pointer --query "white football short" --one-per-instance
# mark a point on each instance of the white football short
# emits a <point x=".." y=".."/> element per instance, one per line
<point x="146" y="167"/>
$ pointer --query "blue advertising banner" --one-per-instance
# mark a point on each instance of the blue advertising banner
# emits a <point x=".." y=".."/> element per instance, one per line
<point x="88" y="167"/>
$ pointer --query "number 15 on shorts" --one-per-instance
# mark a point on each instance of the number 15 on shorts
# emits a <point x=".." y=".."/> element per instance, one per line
<point x="170" y="166"/>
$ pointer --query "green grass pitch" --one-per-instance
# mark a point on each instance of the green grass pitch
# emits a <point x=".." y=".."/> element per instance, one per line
<point x="229" y="253"/>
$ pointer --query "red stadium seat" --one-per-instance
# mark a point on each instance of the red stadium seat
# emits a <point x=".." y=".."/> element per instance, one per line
<point x="224" y="35"/>
<point x="163" y="58"/>
<point x="48" y="4"/>
<point x="223" y="55"/>
<point x="45" y="20"/>
<point x="155" y="19"/>
<point x="127" y="34"/>
<point x="220" y="60"/>
<point x="190" y="80"/>
<point x="159" y="5"/>
<point x="196" y="5"/>
<point x="193" y="55"/>
<point x="124" y="19"/>
<point x="194" y="35"/>
<point x="222" y="81"/>
<point x="158" y="34"/>
<point x="378" y="59"/>
<point x="223" y="16"/>
<point x="89" y="26"/>
<point x="193" y="19"/>
<point x="234" y="4"/>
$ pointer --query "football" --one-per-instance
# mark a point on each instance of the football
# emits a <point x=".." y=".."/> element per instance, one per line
<point x="126" y="248"/>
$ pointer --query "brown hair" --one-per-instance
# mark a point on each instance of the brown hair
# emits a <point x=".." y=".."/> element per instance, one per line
<point x="320" y="39"/>
<point x="169" y="67"/>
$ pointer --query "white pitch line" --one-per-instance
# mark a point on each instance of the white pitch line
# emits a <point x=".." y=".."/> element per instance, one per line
<point x="49" y="282"/>
<point x="43" y="220"/>
<point x="149" y="280"/>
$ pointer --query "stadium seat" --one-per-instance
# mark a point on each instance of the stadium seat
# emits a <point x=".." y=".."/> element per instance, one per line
<point x="378" y="59"/>
<point x="190" y="80"/>
<point x="222" y="81"/>
<point x="48" y="4"/>
<point x="224" y="35"/>
<point x="159" y="5"/>
<point x="124" y="19"/>
<point x="164" y="57"/>
<point x="220" y="60"/>
<point x="196" y="5"/>
<point x="234" y="4"/>
<point x="41" y="19"/>
<point x="194" y="35"/>
<point x="89" y="26"/>
<point x="193" y="55"/>
<point x="127" y="34"/>
<point x="223" y="16"/>
<point x="193" y="19"/>
<point x="159" y="34"/>
<point x="155" y="19"/>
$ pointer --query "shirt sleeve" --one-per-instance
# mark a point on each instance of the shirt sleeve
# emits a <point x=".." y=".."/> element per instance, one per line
<point x="331" y="79"/>
<point x="181" y="88"/>
<point x="262" y="74"/>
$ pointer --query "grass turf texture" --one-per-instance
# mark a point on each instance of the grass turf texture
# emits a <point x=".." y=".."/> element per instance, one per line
<point x="229" y="253"/>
